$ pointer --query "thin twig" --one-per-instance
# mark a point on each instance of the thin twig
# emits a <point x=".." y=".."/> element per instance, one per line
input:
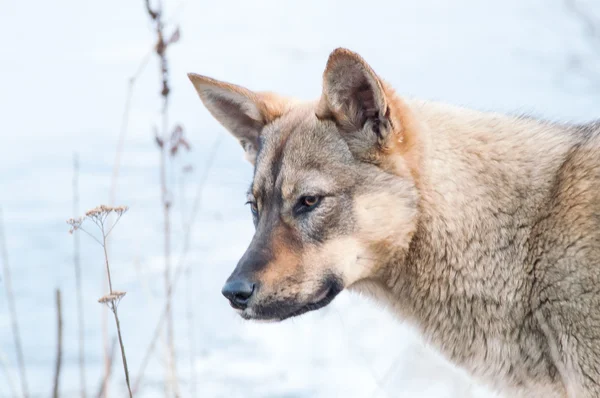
<point x="187" y="239"/>
<point x="77" y="266"/>
<point x="113" y="307"/>
<point x="191" y="331"/>
<point x="124" y="125"/>
<point x="112" y="227"/>
<point x="156" y="15"/>
<point x="110" y="289"/>
<point x="125" y="368"/>
<point x="150" y="305"/>
<point x="112" y="195"/>
<point x="107" y="359"/>
<point x="59" y="338"/>
<point x="180" y="268"/>
<point x="10" y="298"/>
<point x="189" y="304"/>
<point x="111" y="357"/>
<point x="91" y="236"/>
<point x="99" y="216"/>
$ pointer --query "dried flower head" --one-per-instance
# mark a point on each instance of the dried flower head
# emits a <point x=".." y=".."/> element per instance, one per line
<point x="98" y="215"/>
<point x="115" y="295"/>
<point x="103" y="210"/>
<point x="120" y="210"/>
<point x="113" y="299"/>
<point x="75" y="224"/>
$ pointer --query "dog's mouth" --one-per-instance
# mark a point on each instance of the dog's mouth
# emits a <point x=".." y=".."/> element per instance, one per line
<point x="278" y="311"/>
<point x="324" y="298"/>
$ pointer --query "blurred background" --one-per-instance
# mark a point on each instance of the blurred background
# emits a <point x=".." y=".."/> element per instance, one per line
<point x="85" y="122"/>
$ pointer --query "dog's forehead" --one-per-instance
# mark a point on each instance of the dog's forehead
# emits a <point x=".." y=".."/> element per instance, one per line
<point x="294" y="146"/>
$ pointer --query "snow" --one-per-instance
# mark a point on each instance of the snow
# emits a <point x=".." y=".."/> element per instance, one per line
<point x="65" y="68"/>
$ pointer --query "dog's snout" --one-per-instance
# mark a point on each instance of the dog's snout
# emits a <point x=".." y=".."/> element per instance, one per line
<point x="238" y="292"/>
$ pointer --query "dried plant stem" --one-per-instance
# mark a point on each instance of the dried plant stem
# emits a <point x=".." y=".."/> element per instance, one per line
<point x="189" y="304"/>
<point x="112" y="197"/>
<point x="107" y="359"/>
<point x="171" y="356"/>
<point x="150" y="305"/>
<point x="191" y="331"/>
<point x="125" y="368"/>
<point x="77" y="266"/>
<point x="180" y="268"/>
<point x="98" y="216"/>
<point x="59" y="338"/>
<point x="10" y="298"/>
<point x="113" y="307"/>
<point x="124" y="125"/>
<point x="111" y="356"/>
<point x="156" y="15"/>
<point x="110" y="289"/>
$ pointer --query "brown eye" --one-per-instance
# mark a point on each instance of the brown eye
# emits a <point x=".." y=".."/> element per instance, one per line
<point x="307" y="203"/>
<point x="310" y="201"/>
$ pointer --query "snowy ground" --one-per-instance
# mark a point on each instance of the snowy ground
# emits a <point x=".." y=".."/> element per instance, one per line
<point x="64" y="68"/>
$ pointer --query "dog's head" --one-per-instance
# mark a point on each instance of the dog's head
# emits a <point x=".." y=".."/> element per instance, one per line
<point x="333" y="195"/>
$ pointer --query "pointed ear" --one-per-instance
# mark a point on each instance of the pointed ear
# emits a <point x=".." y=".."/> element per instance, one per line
<point x="354" y="96"/>
<point x="241" y="111"/>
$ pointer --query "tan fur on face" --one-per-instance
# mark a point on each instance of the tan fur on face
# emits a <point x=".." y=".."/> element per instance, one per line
<point x="286" y="262"/>
<point x="360" y="255"/>
<point x="377" y="224"/>
<point x="347" y="256"/>
<point x="404" y="152"/>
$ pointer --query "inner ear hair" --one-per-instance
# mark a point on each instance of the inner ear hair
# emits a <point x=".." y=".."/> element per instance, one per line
<point x="352" y="92"/>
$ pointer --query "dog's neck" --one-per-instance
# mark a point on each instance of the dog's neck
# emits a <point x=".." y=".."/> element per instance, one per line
<point x="473" y="224"/>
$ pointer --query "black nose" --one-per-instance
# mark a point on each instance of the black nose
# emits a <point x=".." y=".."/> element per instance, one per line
<point x="238" y="292"/>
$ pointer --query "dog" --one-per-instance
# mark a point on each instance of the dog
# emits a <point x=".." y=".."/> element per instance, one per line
<point x="480" y="229"/>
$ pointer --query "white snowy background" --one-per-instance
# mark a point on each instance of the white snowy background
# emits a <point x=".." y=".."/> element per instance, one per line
<point x="64" y="68"/>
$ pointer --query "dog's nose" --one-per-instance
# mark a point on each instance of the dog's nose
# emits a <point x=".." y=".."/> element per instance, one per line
<point x="238" y="291"/>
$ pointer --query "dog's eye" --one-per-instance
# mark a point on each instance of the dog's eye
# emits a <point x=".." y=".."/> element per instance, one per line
<point x="307" y="203"/>
<point x="310" y="201"/>
<point x="253" y="207"/>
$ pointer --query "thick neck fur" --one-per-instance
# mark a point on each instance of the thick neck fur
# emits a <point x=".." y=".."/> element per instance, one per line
<point x="464" y="280"/>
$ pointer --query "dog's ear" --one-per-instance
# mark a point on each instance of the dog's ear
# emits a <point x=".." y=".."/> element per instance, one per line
<point x="355" y="98"/>
<point x="241" y="111"/>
